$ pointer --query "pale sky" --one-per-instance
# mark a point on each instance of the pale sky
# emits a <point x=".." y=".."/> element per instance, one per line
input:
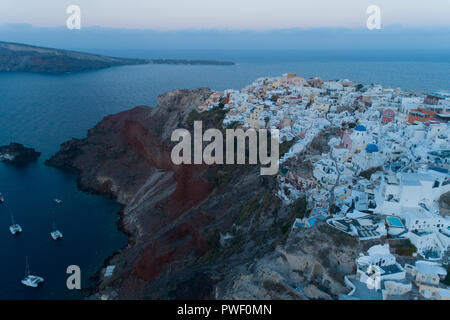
<point x="226" y="14"/>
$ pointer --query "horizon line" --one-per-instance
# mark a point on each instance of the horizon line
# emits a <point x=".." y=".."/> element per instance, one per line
<point x="227" y="29"/>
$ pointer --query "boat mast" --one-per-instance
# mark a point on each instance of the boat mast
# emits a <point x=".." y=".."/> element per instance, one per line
<point x="12" y="216"/>
<point x="27" y="267"/>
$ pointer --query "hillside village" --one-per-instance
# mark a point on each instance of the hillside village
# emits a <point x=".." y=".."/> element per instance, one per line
<point x="381" y="173"/>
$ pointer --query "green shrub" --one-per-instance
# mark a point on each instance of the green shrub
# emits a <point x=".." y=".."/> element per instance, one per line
<point x="403" y="248"/>
<point x="446" y="281"/>
<point x="299" y="208"/>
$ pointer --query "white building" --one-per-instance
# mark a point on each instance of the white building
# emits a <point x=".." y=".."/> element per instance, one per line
<point x="369" y="158"/>
<point x="429" y="272"/>
<point x="377" y="266"/>
<point x="408" y="190"/>
<point x="325" y="172"/>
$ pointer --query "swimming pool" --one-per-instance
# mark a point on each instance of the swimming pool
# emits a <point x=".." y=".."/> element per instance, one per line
<point x="394" y="222"/>
<point x="312" y="221"/>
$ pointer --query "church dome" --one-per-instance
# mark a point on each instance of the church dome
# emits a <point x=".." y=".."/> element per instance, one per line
<point x="371" y="148"/>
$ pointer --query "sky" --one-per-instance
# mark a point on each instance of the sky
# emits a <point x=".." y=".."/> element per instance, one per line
<point x="226" y="14"/>
<point x="227" y="24"/>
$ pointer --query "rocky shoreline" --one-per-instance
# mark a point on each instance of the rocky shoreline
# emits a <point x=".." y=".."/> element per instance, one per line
<point x="93" y="291"/>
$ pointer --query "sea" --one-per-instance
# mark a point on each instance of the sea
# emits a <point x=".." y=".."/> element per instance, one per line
<point x="42" y="111"/>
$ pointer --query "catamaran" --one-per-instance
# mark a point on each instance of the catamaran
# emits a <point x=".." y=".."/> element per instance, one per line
<point x="30" y="280"/>
<point x="55" y="234"/>
<point x="14" y="227"/>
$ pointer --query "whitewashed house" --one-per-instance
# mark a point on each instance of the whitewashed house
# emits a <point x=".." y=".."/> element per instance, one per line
<point x="377" y="266"/>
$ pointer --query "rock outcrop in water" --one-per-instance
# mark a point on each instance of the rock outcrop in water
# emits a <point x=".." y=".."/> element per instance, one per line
<point x="195" y="231"/>
<point x="16" y="153"/>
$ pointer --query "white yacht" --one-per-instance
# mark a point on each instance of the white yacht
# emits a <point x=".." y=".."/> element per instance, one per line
<point x="2" y="199"/>
<point x="55" y="234"/>
<point x="14" y="227"/>
<point x="30" y="280"/>
<point x="58" y="201"/>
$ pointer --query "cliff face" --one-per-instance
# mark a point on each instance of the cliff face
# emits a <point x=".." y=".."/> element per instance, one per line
<point x="196" y="231"/>
<point x="25" y="58"/>
<point x="175" y="215"/>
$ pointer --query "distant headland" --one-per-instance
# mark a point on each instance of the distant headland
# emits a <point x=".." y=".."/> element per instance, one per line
<point x="16" y="57"/>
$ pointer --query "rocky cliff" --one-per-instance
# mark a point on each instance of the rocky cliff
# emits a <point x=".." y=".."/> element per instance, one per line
<point x="195" y="231"/>
<point x="26" y="58"/>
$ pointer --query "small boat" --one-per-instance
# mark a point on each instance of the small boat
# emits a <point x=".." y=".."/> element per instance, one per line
<point x="58" y="201"/>
<point x="30" y="280"/>
<point x="14" y="227"/>
<point x="2" y="199"/>
<point x="55" y="234"/>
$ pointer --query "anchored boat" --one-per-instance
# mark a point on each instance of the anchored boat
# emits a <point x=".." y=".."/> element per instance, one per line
<point x="55" y="234"/>
<point x="14" y="227"/>
<point x="30" y="280"/>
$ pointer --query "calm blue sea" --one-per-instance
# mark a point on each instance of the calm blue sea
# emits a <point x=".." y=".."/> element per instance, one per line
<point x="42" y="111"/>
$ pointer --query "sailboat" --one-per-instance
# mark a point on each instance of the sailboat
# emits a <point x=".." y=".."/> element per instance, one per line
<point x="30" y="280"/>
<point x="14" y="227"/>
<point x="55" y="234"/>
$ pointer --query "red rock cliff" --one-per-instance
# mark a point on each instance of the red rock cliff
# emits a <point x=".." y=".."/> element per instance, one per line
<point x="174" y="214"/>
